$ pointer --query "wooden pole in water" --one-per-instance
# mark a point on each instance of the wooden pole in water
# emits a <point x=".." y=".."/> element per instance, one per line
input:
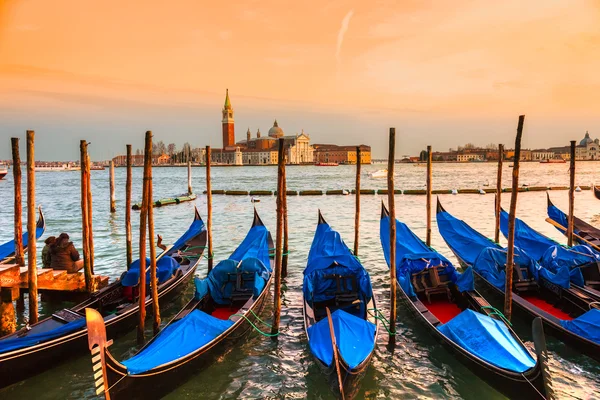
<point x="499" y="193"/>
<point x="189" y="167"/>
<point x="113" y="201"/>
<point x="277" y="290"/>
<point x="153" y="278"/>
<point x="87" y="270"/>
<point x="143" y="220"/>
<point x="571" y="196"/>
<point x="511" y="223"/>
<point x="19" y="254"/>
<point x="209" y="211"/>
<point x="128" y="208"/>
<point x="429" y="184"/>
<point x="31" y="238"/>
<point x="90" y="209"/>
<point x="357" y="202"/>
<point x="284" y="257"/>
<point x="392" y="205"/>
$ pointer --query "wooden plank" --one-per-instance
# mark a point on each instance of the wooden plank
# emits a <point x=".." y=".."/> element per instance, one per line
<point x="60" y="274"/>
<point x="9" y="275"/>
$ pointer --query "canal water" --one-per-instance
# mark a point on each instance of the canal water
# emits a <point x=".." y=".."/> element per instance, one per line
<point x="261" y="368"/>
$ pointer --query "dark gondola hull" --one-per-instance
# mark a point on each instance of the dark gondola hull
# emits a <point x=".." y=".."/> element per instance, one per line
<point x="510" y="384"/>
<point x="161" y="381"/>
<point x="32" y="361"/>
<point x="597" y="192"/>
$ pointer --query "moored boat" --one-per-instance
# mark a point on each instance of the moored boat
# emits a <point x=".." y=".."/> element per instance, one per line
<point x="7" y="250"/>
<point x="536" y="291"/>
<point x="57" y="167"/>
<point x="597" y="192"/>
<point x="225" y="305"/>
<point x="327" y="164"/>
<point x="339" y="311"/>
<point x="553" y="161"/>
<point x="3" y="171"/>
<point x="61" y="336"/>
<point x="586" y="233"/>
<point x="379" y="174"/>
<point x="446" y="302"/>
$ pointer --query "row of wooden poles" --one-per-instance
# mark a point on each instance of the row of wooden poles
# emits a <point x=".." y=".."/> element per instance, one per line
<point x="281" y="247"/>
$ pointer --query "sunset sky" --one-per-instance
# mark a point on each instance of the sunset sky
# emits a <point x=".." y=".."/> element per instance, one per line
<point x="442" y="72"/>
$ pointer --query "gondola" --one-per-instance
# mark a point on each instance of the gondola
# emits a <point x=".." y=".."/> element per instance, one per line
<point x="586" y="233"/>
<point x="338" y="297"/>
<point x="7" y="250"/>
<point x="597" y="192"/>
<point x="41" y="346"/>
<point x="225" y="305"/>
<point x="446" y="302"/>
<point x="562" y="316"/>
<point x="581" y="262"/>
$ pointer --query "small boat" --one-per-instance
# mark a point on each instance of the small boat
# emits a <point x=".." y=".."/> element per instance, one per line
<point x="97" y="168"/>
<point x="225" y="305"/>
<point x="446" y="302"/>
<point x="168" y="201"/>
<point x="3" y="171"/>
<point x="7" y="250"/>
<point x="61" y="336"/>
<point x="327" y="164"/>
<point x="536" y="291"/>
<point x="339" y="310"/>
<point x="597" y="192"/>
<point x="587" y="233"/>
<point x="554" y="257"/>
<point x="379" y="174"/>
<point x="57" y="167"/>
<point x="553" y="161"/>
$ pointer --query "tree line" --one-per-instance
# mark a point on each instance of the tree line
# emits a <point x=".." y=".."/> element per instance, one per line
<point x="175" y="156"/>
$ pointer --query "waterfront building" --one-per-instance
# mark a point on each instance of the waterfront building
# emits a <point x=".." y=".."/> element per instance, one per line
<point x="331" y="153"/>
<point x="542" y="154"/>
<point x="469" y="157"/>
<point x="121" y="160"/>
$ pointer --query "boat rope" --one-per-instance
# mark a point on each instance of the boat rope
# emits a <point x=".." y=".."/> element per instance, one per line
<point x="497" y="312"/>
<point x="107" y="391"/>
<point x="379" y="316"/>
<point x="196" y="247"/>
<point x="255" y="327"/>
<point x="533" y="386"/>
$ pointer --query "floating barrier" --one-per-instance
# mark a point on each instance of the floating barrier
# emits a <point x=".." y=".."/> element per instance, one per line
<point x="468" y="191"/>
<point x="558" y="188"/>
<point x="168" y="201"/>
<point x="365" y="191"/>
<point x="331" y="192"/>
<point x="537" y="189"/>
<point x="311" y="193"/>
<point x="385" y="191"/>
<point x="415" y="191"/>
<point x="441" y="191"/>
<point x="261" y="193"/>
<point x="290" y="193"/>
<point x="236" y="192"/>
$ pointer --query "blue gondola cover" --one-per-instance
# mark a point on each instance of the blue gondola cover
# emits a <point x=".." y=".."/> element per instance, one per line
<point x="8" y="248"/>
<point x="413" y="256"/>
<point x="586" y="325"/>
<point x="178" y="340"/>
<point x="355" y="338"/>
<point x="489" y="339"/>
<point x="165" y="267"/>
<point x="10" y="344"/>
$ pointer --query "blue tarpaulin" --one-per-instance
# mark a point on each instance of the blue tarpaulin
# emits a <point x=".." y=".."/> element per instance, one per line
<point x="165" y="267"/>
<point x="489" y="339"/>
<point x="251" y="259"/>
<point x="413" y="256"/>
<point x="329" y="255"/>
<point x="178" y="340"/>
<point x="354" y="336"/>
<point x="586" y="325"/>
<point x="10" y="344"/>
<point x="194" y="230"/>
<point x="8" y="249"/>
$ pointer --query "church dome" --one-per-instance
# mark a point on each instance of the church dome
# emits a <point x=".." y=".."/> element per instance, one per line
<point x="584" y="142"/>
<point x="275" y="131"/>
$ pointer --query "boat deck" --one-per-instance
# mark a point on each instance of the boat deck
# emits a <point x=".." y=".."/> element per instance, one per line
<point x="12" y="275"/>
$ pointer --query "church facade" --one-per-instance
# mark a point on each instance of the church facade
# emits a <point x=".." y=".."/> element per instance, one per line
<point x="259" y="150"/>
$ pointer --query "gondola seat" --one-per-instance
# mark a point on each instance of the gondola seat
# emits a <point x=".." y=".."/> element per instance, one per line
<point x="430" y="281"/>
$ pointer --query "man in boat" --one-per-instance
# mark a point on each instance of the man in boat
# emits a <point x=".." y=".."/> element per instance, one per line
<point x="46" y="251"/>
<point x="64" y="255"/>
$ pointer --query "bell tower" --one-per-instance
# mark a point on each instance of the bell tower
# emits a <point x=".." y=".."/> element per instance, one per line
<point x="228" y="123"/>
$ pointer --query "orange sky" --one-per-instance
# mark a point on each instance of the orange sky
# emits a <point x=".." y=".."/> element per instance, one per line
<point x="458" y="70"/>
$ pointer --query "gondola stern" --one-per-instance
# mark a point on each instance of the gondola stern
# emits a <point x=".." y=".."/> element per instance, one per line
<point x="98" y="347"/>
<point x="41" y="222"/>
<point x="439" y="208"/>
<point x="384" y="210"/>
<point x="321" y="219"/>
<point x="197" y="216"/>
<point x="539" y="341"/>
<point x="257" y="221"/>
<point x="550" y="204"/>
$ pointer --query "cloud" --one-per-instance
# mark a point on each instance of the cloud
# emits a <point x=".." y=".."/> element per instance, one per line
<point x="341" y="33"/>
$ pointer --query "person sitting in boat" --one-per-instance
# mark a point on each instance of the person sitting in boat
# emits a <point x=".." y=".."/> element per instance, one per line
<point x="64" y="255"/>
<point x="46" y="251"/>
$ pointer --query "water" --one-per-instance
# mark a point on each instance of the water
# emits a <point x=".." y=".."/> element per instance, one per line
<point x="259" y="367"/>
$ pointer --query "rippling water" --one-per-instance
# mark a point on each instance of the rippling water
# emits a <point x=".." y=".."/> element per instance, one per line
<point x="260" y="368"/>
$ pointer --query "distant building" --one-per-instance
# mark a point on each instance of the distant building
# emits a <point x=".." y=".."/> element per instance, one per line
<point x="588" y="149"/>
<point x="541" y="155"/>
<point x="331" y="153"/>
<point x="121" y="160"/>
<point x="469" y="157"/>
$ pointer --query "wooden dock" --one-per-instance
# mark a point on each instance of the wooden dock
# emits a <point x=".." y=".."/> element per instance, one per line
<point x="49" y="280"/>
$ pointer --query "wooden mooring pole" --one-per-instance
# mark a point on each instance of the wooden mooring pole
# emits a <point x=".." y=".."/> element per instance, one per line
<point x="284" y="256"/>
<point x="19" y="255"/>
<point x="142" y="251"/>
<point x="128" y="208"/>
<point x="571" y="196"/>
<point x="498" y="193"/>
<point x="31" y="222"/>
<point x="511" y="223"/>
<point x="189" y="171"/>
<point x="113" y="200"/>
<point x="209" y="211"/>
<point x="392" y="206"/>
<point x="87" y="268"/>
<point x="278" y="240"/>
<point x="153" y="278"/>
<point x="90" y="213"/>
<point x="428" y="201"/>
<point x="357" y="202"/>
